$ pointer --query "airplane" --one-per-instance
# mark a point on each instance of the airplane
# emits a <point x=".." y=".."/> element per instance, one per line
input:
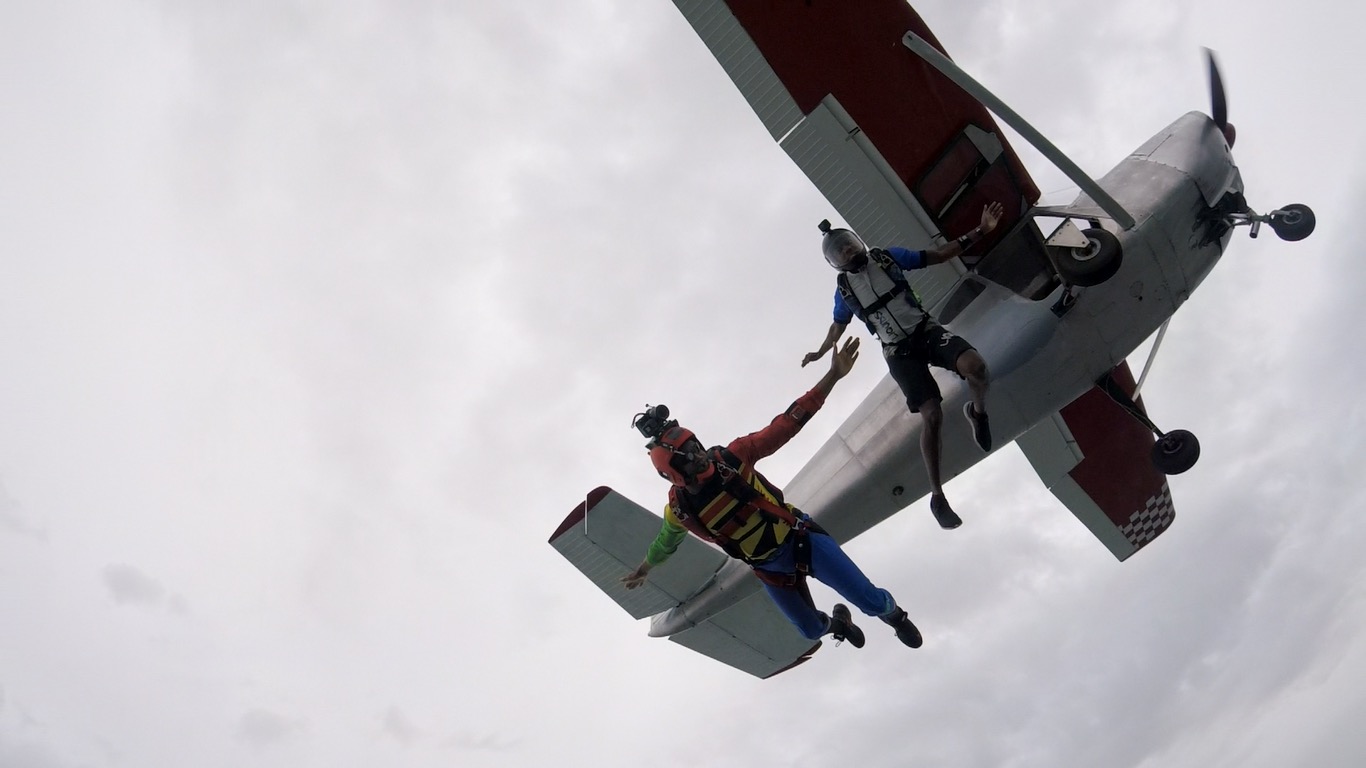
<point x="900" y="141"/>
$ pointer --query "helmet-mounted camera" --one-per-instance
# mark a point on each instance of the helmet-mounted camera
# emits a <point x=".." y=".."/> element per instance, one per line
<point x="842" y="248"/>
<point x="653" y="421"/>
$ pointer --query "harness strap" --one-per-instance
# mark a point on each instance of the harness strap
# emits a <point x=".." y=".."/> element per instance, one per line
<point x="897" y="290"/>
<point x="734" y="503"/>
<point x="801" y="557"/>
<point x="884" y="260"/>
<point x="801" y="554"/>
<point x="738" y="487"/>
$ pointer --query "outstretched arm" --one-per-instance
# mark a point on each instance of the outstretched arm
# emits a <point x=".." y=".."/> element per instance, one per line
<point x="787" y="424"/>
<point x="671" y="534"/>
<point x="991" y="216"/>
<point x="840" y="365"/>
<point x="637" y="577"/>
<point x="831" y="337"/>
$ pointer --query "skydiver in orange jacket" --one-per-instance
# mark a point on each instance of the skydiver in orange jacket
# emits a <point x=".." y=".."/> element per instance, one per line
<point x="718" y="496"/>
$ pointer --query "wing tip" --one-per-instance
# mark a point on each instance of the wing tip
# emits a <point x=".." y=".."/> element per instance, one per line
<point x="805" y="657"/>
<point x="590" y="500"/>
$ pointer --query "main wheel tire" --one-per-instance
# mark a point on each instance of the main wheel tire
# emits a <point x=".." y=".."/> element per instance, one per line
<point x="1175" y="452"/>
<point x="1294" y="222"/>
<point x="1093" y="264"/>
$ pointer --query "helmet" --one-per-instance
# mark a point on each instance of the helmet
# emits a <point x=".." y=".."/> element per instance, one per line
<point x="669" y="458"/>
<point x="843" y="249"/>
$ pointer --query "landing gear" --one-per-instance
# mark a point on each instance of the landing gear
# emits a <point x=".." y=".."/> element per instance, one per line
<point x="1293" y="222"/>
<point x="1175" y="451"/>
<point x="1093" y="263"/>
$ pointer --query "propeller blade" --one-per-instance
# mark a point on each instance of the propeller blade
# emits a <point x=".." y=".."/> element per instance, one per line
<point x="1218" y="101"/>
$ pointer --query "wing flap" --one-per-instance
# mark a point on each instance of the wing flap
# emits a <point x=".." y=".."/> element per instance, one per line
<point x="845" y="167"/>
<point x="752" y="636"/>
<point x="900" y="151"/>
<point x="1095" y="458"/>
<point x="607" y="535"/>
<point x="787" y="59"/>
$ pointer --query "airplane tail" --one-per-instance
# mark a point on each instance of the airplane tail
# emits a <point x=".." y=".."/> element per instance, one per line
<point x="606" y="537"/>
<point x="1096" y="459"/>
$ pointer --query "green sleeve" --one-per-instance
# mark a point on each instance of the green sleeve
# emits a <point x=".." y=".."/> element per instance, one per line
<point x="666" y="543"/>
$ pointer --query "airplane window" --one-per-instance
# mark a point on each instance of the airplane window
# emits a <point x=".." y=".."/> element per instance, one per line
<point x="950" y="176"/>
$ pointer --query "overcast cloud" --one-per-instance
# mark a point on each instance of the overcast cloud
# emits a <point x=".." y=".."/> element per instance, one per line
<point x="316" y="319"/>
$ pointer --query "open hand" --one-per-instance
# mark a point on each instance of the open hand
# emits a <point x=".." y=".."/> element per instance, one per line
<point x="991" y="216"/>
<point x="812" y="357"/>
<point x="845" y="357"/>
<point x="637" y="577"/>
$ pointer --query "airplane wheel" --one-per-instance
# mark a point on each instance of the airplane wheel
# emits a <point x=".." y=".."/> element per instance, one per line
<point x="1175" y="452"/>
<point x="1294" y="222"/>
<point x="1093" y="264"/>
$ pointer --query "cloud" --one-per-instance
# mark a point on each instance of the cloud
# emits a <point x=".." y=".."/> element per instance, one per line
<point x="11" y="520"/>
<point x="261" y="728"/>
<point x="481" y="742"/>
<point x="28" y="755"/>
<point x="397" y="725"/>
<point x="128" y="585"/>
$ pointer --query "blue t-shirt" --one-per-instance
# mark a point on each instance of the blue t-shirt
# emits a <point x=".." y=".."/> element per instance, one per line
<point x="904" y="258"/>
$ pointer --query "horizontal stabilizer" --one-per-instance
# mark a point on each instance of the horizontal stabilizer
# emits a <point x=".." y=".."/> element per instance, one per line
<point x="753" y="636"/>
<point x="1096" y="458"/>
<point x="606" y="537"/>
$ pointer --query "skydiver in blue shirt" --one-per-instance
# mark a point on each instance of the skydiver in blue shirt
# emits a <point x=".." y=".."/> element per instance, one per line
<point x="872" y="287"/>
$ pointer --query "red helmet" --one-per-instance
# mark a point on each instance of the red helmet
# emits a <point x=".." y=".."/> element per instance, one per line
<point x="669" y="457"/>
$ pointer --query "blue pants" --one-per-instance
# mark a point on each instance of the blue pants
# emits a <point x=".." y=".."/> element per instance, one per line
<point x="833" y="568"/>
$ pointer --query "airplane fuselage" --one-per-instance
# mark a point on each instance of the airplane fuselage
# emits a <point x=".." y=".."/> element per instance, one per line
<point x="1040" y="359"/>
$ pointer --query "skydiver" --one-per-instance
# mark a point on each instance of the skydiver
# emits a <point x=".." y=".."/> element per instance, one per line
<point x="871" y="286"/>
<point x="719" y="497"/>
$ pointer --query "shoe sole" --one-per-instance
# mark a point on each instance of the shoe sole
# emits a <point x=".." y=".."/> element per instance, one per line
<point x="949" y="525"/>
<point x="855" y="637"/>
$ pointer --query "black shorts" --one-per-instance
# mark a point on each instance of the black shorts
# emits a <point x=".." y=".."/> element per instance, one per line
<point x="910" y="361"/>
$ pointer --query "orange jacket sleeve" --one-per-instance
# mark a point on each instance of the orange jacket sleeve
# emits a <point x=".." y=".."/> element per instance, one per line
<point x="784" y="426"/>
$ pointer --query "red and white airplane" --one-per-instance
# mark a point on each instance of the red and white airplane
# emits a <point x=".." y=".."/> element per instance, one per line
<point x="900" y="141"/>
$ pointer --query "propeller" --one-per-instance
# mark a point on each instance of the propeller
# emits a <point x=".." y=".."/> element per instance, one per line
<point x="1218" y="101"/>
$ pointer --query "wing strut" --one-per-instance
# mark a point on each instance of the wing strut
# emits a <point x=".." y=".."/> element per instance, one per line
<point x="1152" y="354"/>
<point x="965" y="81"/>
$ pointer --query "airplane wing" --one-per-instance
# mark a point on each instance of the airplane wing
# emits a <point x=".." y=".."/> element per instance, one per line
<point x="901" y="152"/>
<point x="1095" y="458"/>
<point x="605" y="537"/>
<point x="753" y="636"/>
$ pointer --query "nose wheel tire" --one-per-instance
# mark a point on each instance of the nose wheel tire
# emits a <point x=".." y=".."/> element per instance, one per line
<point x="1175" y="452"/>
<point x="1093" y="263"/>
<point x="1293" y="222"/>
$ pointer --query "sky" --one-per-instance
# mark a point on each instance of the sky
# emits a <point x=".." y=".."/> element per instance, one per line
<point x="316" y="319"/>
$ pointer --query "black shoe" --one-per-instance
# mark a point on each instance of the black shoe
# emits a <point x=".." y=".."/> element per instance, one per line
<point x="981" y="429"/>
<point x="905" y="630"/>
<point x="842" y="626"/>
<point x="948" y="519"/>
